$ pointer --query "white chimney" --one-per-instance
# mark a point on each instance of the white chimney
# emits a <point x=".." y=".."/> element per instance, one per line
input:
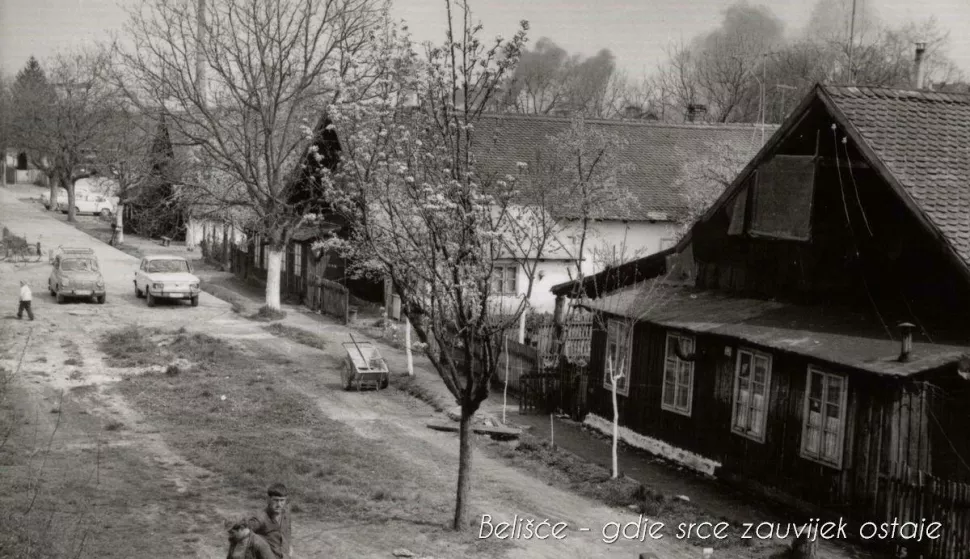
<point x="918" y="75"/>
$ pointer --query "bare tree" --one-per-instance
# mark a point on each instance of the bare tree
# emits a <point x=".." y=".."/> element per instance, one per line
<point x="548" y="80"/>
<point x="747" y="70"/>
<point x="429" y="219"/>
<point x="705" y="178"/>
<point x="271" y="67"/>
<point x="126" y="156"/>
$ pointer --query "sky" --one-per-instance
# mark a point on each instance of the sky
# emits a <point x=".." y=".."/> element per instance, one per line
<point x="637" y="31"/>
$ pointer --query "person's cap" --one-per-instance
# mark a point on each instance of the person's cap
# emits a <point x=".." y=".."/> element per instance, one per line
<point x="277" y="490"/>
<point x="234" y="522"/>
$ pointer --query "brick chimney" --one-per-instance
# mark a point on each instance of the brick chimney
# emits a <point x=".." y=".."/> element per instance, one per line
<point x="695" y="111"/>
<point x="918" y="70"/>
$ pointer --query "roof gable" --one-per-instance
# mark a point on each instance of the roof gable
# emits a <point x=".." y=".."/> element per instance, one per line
<point x="922" y="140"/>
<point x="657" y="153"/>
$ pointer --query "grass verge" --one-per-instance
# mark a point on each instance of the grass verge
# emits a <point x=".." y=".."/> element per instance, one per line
<point x="568" y="471"/>
<point x="241" y="418"/>
<point x="266" y="314"/>
<point x="298" y="335"/>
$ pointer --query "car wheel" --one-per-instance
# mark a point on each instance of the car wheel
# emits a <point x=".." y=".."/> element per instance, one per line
<point x="101" y="298"/>
<point x="384" y="383"/>
<point x="105" y="213"/>
<point x="195" y="301"/>
<point x="60" y="298"/>
<point x="151" y="298"/>
<point x="138" y="292"/>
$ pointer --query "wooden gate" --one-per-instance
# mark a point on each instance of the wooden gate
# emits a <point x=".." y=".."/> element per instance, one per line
<point x="540" y="393"/>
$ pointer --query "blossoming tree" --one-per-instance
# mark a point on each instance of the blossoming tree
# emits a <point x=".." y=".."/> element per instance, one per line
<point x="429" y="218"/>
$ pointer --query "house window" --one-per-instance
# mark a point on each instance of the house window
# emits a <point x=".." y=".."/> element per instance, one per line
<point x="503" y="280"/>
<point x="617" y="357"/>
<point x="678" y="389"/>
<point x="824" y="422"/>
<point x="752" y="377"/>
<point x="283" y="257"/>
<point x="297" y="260"/>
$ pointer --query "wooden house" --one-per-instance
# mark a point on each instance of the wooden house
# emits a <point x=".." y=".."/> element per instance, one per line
<point x="808" y="337"/>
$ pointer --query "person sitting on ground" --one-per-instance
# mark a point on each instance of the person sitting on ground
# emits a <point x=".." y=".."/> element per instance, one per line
<point x="25" y="299"/>
<point x="273" y="522"/>
<point x="244" y="544"/>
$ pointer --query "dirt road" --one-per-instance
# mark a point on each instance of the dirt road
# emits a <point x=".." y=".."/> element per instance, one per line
<point x="130" y="494"/>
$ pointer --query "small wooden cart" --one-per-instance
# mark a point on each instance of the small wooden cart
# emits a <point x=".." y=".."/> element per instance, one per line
<point x="364" y="367"/>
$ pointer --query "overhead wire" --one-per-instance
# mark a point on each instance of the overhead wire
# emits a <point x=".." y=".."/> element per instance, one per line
<point x="855" y="246"/>
<point x="865" y="219"/>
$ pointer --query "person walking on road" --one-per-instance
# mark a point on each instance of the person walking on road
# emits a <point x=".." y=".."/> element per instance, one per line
<point x="25" y="299"/>
<point x="273" y="522"/>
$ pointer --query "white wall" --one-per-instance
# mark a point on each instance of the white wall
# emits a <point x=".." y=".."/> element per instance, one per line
<point x="195" y="227"/>
<point x="631" y="240"/>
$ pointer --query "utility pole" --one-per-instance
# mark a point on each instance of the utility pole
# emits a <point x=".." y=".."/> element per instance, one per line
<point x="764" y="79"/>
<point x="851" y="39"/>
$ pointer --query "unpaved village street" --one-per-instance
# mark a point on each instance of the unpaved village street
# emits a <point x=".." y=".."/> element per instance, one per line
<point x="110" y="463"/>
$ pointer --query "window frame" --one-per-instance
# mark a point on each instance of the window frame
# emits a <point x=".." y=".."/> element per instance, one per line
<point x="736" y="428"/>
<point x="503" y="269"/>
<point x="297" y="259"/>
<point x="820" y="457"/>
<point x="622" y="389"/>
<point x="674" y="408"/>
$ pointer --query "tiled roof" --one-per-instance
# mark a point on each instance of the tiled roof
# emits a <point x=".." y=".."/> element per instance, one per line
<point x="923" y="139"/>
<point x="657" y="152"/>
<point x="828" y="333"/>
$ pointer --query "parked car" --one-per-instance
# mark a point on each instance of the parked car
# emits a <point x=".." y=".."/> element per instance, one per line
<point x="76" y="272"/>
<point x="166" y="277"/>
<point x="88" y="203"/>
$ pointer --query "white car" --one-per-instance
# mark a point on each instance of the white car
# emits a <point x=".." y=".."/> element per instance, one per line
<point x="166" y="277"/>
<point x="88" y="203"/>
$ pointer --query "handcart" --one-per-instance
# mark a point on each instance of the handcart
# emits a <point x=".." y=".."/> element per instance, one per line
<point x="364" y="366"/>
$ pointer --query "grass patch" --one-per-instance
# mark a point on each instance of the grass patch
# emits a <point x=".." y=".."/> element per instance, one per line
<point x="298" y="335"/>
<point x="133" y="347"/>
<point x="415" y="388"/>
<point x="232" y="415"/>
<point x="114" y="426"/>
<point x="266" y="314"/>
<point x="568" y="471"/>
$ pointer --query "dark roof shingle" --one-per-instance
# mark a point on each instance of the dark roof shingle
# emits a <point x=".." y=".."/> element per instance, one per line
<point x="657" y="152"/>
<point x="923" y="139"/>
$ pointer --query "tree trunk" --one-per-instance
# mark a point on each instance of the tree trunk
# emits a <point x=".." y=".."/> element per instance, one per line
<point x="407" y="345"/>
<point x="70" y="201"/>
<point x="225" y="244"/>
<point x="120" y="222"/>
<point x="464" y="469"/>
<point x="274" y="258"/>
<point x="616" y="428"/>
<point x="52" y="185"/>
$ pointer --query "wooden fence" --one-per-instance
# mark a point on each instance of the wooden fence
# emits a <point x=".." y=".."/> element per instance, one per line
<point x="522" y="360"/>
<point x="577" y="334"/>
<point x="329" y="297"/>
<point x="909" y="495"/>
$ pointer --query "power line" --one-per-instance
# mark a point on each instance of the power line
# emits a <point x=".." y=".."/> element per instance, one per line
<point x="855" y="246"/>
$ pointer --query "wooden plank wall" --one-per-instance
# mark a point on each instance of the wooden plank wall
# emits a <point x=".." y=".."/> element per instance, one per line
<point x="888" y="433"/>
